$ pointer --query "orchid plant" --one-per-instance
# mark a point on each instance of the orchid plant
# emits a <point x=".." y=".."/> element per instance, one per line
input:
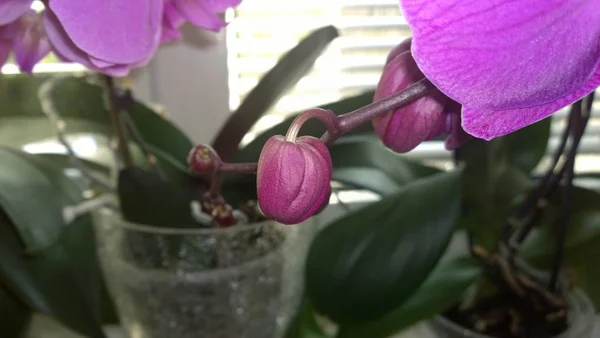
<point x="485" y="76"/>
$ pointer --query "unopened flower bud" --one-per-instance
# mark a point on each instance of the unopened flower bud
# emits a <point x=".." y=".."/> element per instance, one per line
<point x="404" y="46"/>
<point x="202" y="159"/>
<point x="293" y="178"/>
<point x="405" y="128"/>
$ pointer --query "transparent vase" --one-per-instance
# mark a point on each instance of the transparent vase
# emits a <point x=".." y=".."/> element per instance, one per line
<point x="582" y="319"/>
<point x="243" y="281"/>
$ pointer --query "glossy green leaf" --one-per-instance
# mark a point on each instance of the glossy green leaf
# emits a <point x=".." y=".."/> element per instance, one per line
<point x="17" y="131"/>
<point x="526" y="147"/>
<point x="304" y="324"/>
<point x="371" y="166"/>
<point x="360" y="163"/>
<point x="78" y="238"/>
<point x="63" y="280"/>
<point x="145" y="198"/>
<point x="47" y="283"/>
<point x="315" y="128"/>
<point x="584" y="225"/>
<point x="368" y="263"/>
<point x="156" y="130"/>
<point x="443" y="288"/>
<point x="79" y="101"/>
<point x="582" y="243"/>
<point x="15" y="315"/>
<point x="272" y="86"/>
<point x="24" y="187"/>
<point x="18" y="94"/>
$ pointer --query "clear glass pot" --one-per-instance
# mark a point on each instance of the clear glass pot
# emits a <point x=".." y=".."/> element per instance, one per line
<point x="243" y="281"/>
<point x="581" y="321"/>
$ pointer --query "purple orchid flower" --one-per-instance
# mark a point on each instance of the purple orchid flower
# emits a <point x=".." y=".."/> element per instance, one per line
<point x="201" y="13"/>
<point x="508" y="63"/>
<point x="107" y="37"/>
<point x="26" y="38"/>
<point x="11" y="10"/>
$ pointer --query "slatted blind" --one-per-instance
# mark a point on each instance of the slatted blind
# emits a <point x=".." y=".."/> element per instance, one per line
<point x="262" y="30"/>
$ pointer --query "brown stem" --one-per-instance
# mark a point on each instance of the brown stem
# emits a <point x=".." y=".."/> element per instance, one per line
<point x="238" y="167"/>
<point x="328" y="118"/>
<point x="353" y="119"/>
<point x="535" y="202"/>
<point x="119" y="126"/>
<point x="339" y="125"/>
<point x="562" y="222"/>
<point x="215" y="183"/>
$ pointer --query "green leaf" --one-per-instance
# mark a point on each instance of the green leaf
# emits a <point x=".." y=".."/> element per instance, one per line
<point x="491" y="185"/>
<point x="63" y="280"/>
<point x="582" y="243"/>
<point x="23" y="188"/>
<point x="304" y="324"/>
<point x="368" y="263"/>
<point x="76" y="96"/>
<point x="15" y="315"/>
<point x="80" y="104"/>
<point x="286" y="73"/>
<point x="526" y="147"/>
<point x="17" y="131"/>
<point x="371" y="166"/>
<point x="18" y="94"/>
<point x="363" y="164"/>
<point x="584" y="226"/>
<point x="78" y="239"/>
<point x="315" y="128"/>
<point x="443" y="288"/>
<point x="145" y="198"/>
<point x="47" y="283"/>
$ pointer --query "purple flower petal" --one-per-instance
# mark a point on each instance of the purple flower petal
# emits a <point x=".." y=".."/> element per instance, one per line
<point x="218" y="6"/>
<point x="67" y="51"/>
<point x="5" y="48"/>
<point x="61" y="42"/>
<point x="171" y="22"/>
<point x="509" y="63"/>
<point x="119" y="31"/>
<point x="11" y="10"/>
<point x="31" y="43"/>
<point x="201" y="13"/>
<point x="488" y="124"/>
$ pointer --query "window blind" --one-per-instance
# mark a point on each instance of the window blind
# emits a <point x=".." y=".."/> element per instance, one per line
<point x="262" y="30"/>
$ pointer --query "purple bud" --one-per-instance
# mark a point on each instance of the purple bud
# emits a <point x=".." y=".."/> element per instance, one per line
<point x="404" y="46"/>
<point x="293" y="178"/>
<point x="408" y="126"/>
<point x="202" y="159"/>
<point x="457" y="136"/>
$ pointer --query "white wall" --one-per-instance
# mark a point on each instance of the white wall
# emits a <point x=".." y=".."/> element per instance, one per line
<point x="189" y="79"/>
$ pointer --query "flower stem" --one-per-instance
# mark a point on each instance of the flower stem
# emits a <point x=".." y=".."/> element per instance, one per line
<point x="537" y="198"/>
<point x="215" y="183"/>
<point x="353" y="119"/>
<point x="328" y="118"/>
<point x="337" y="125"/>
<point x="238" y="167"/>
<point x="579" y="124"/>
<point x="114" y="112"/>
